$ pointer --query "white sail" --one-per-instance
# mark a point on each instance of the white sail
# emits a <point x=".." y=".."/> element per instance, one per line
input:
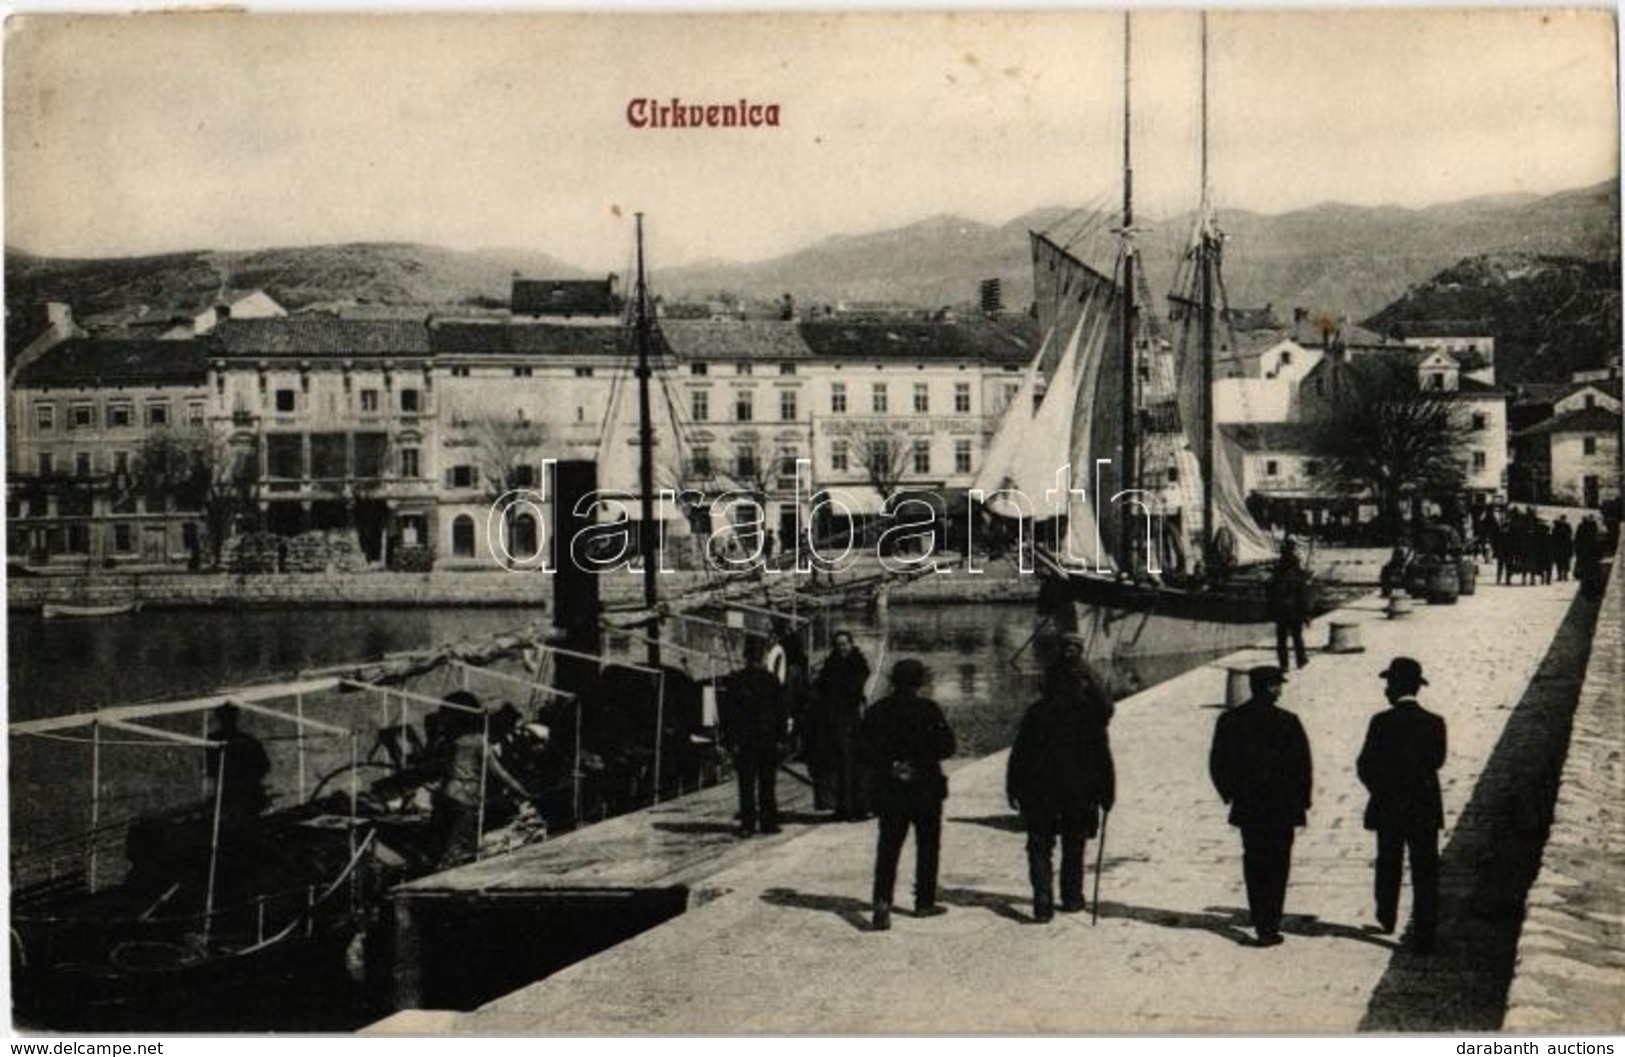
<point x="1093" y="437"/>
<point x="1006" y="452"/>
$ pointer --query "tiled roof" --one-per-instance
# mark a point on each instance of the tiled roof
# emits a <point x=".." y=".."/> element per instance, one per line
<point x="731" y="340"/>
<point x="1269" y="436"/>
<point x="530" y="340"/>
<point x="1546" y="394"/>
<point x="969" y="340"/>
<point x="1585" y="420"/>
<point x="321" y="336"/>
<point x="107" y="361"/>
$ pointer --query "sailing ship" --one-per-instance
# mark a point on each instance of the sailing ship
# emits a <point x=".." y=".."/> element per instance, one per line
<point x="1142" y="512"/>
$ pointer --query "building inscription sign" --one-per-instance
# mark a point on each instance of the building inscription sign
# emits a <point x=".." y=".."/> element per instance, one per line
<point x="910" y="425"/>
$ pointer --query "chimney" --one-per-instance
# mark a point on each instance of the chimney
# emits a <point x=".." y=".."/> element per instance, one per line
<point x="787" y="308"/>
<point x="1299" y="315"/>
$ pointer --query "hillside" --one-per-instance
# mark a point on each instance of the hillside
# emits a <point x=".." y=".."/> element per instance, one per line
<point x="388" y="273"/>
<point x="1551" y="316"/>
<point x="1349" y="259"/>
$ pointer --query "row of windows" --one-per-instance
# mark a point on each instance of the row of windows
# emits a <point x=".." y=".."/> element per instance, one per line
<point x="879" y="402"/>
<point x="286" y="401"/>
<point x="118" y="415"/>
<point x="740" y="367"/>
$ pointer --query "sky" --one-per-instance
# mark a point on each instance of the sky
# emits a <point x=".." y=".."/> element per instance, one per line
<point x="131" y="135"/>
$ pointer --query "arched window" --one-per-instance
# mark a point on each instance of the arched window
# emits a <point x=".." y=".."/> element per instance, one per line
<point x="462" y="536"/>
<point x="522" y="545"/>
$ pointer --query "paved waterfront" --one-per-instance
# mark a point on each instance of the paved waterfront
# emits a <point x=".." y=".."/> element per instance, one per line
<point x="787" y="950"/>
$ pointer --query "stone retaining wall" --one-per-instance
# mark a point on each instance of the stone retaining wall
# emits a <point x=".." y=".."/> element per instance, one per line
<point x="1570" y="974"/>
<point x="471" y="588"/>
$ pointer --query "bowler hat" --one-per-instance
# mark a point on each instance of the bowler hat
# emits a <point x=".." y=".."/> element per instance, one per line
<point x="1405" y="669"/>
<point x="1265" y="675"/>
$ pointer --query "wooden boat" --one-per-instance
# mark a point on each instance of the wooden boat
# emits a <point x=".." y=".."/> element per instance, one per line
<point x="1152" y="520"/>
<point x="198" y="918"/>
<point x="62" y="610"/>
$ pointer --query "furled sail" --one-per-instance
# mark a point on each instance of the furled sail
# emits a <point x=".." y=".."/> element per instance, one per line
<point x="1093" y="525"/>
<point x="1251" y="543"/>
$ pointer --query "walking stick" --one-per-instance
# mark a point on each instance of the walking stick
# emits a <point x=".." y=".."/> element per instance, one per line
<point x="1100" y="857"/>
<point x="1014" y="657"/>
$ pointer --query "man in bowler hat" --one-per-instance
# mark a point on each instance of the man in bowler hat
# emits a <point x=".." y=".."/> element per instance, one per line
<point x="905" y="738"/>
<point x="1261" y="767"/>
<point x="1399" y="764"/>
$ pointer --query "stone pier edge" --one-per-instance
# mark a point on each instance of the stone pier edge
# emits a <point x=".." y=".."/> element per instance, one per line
<point x="1570" y="970"/>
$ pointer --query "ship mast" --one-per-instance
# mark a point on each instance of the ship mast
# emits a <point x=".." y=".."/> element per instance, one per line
<point x="1206" y="260"/>
<point x="641" y="328"/>
<point x="1130" y="409"/>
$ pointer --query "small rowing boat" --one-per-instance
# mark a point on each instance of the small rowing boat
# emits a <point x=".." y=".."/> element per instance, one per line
<point x="56" y="610"/>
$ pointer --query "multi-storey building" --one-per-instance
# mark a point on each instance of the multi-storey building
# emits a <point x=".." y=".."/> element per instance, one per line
<point x="341" y="416"/>
<point x="408" y="431"/>
<point x="1566" y="447"/>
<point x="82" y="414"/>
<point x="1483" y="407"/>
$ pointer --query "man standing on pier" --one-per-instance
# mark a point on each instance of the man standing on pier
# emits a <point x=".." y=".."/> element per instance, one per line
<point x="753" y="725"/>
<point x="1399" y="763"/>
<point x="905" y="739"/>
<point x="1261" y="767"/>
<point x="1060" y="777"/>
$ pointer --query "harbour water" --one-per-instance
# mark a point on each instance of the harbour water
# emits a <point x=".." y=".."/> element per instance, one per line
<point x="983" y="661"/>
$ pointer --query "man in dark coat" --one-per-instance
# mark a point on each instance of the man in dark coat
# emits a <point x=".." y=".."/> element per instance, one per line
<point x="1287" y="599"/>
<point x="838" y="695"/>
<point x="1399" y="764"/>
<point x="753" y="718"/>
<point x="1261" y="767"/>
<point x="905" y="739"/>
<point x="1588" y="557"/>
<point x="1562" y="546"/>
<point x="239" y="766"/>
<point x="1060" y="776"/>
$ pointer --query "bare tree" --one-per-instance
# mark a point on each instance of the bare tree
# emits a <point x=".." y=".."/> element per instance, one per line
<point x="199" y="468"/>
<point x="507" y="452"/>
<point x="1384" y="433"/>
<point x="884" y="455"/>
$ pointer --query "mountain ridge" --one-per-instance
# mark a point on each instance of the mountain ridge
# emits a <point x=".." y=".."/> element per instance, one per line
<point x="1353" y="259"/>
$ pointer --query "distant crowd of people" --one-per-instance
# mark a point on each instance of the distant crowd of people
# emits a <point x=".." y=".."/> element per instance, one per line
<point x="1527" y="549"/>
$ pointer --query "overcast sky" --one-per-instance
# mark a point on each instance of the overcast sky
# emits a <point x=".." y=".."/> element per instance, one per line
<point x="160" y="132"/>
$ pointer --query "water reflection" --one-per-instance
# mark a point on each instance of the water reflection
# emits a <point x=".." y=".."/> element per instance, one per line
<point x="983" y="663"/>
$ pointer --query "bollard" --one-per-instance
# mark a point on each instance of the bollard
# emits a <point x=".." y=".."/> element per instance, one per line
<point x="1344" y="638"/>
<point x="1237" y="687"/>
<point x="1399" y="605"/>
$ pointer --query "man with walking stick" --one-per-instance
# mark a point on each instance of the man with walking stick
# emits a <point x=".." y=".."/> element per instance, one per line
<point x="1260" y="765"/>
<point x="1061" y="778"/>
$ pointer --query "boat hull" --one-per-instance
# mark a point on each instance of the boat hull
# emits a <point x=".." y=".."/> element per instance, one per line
<point x="1230" y="603"/>
<point x="57" y="611"/>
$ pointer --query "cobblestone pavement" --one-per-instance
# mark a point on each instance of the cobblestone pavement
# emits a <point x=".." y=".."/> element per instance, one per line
<point x="787" y="949"/>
